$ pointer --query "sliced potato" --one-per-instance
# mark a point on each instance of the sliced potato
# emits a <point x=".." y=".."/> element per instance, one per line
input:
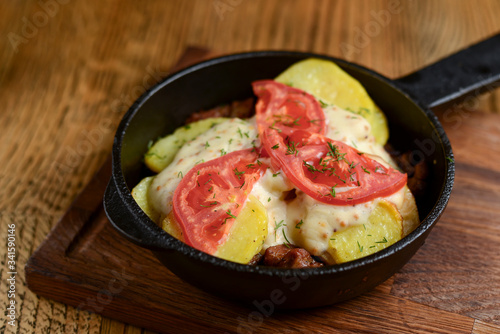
<point x="331" y="85"/>
<point x="140" y="194"/>
<point x="246" y="236"/>
<point x="170" y="225"/>
<point x="384" y="227"/>
<point x="161" y="153"/>
<point x="247" y="233"/>
<point x="409" y="212"/>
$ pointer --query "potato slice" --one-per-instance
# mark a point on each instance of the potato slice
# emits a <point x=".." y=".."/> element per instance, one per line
<point x="384" y="228"/>
<point x="247" y="234"/>
<point x="170" y="225"/>
<point x="161" y="153"/>
<point x="409" y="212"/>
<point x="140" y="194"/>
<point x="331" y="85"/>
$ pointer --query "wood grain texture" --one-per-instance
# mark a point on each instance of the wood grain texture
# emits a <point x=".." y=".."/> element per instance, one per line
<point x="90" y="270"/>
<point x="439" y="283"/>
<point x="465" y="244"/>
<point x="70" y="78"/>
<point x="484" y="328"/>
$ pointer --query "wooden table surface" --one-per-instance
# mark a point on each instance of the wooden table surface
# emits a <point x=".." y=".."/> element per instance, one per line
<point x="69" y="69"/>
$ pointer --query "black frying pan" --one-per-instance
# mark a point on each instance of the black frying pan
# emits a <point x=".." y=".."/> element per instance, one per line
<point x="413" y="126"/>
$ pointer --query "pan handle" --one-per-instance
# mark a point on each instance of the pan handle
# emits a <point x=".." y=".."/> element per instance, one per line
<point x="469" y="72"/>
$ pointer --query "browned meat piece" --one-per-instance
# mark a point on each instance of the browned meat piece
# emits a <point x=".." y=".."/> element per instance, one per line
<point x="290" y="196"/>
<point x="274" y="254"/>
<point x="256" y="259"/>
<point x="241" y="109"/>
<point x="219" y="111"/>
<point x="418" y="181"/>
<point x="289" y="257"/>
<point x="418" y="172"/>
<point x="403" y="161"/>
<point x="298" y="258"/>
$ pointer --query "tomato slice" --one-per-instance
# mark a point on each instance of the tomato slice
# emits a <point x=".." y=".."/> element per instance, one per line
<point x="330" y="171"/>
<point x="286" y="109"/>
<point x="210" y="196"/>
<point x="292" y="127"/>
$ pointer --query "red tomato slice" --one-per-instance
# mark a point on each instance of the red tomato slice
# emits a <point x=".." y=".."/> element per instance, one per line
<point x="210" y="196"/>
<point x="287" y="109"/>
<point x="330" y="171"/>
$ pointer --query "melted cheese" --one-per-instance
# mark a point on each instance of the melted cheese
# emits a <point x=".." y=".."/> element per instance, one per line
<point x="354" y="130"/>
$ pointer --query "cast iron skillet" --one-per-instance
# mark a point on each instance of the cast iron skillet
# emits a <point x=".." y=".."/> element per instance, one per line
<point x="413" y="126"/>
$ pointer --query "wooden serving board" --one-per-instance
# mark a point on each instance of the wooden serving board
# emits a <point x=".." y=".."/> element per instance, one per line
<point x="452" y="284"/>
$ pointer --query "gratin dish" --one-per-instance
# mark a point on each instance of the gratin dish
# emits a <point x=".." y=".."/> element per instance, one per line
<point x="168" y="104"/>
